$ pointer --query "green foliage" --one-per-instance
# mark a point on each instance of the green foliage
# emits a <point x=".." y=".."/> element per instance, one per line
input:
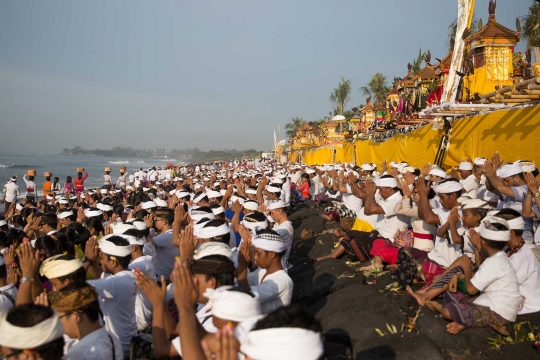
<point x="292" y="127"/>
<point x="376" y="88"/>
<point x="340" y="95"/>
<point x="530" y="25"/>
<point x="417" y="63"/>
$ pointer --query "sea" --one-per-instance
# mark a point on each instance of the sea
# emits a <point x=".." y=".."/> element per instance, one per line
<point x="66" y="165"/>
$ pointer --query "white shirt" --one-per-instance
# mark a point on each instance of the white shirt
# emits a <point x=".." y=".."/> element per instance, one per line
<point x="470" y="186"/>
<point x="274" y="291"/>
<point x="97" y="345"/>
<point x="295" y="177"/>
<point x="468" y="249"/>
<point x="5" y="302"/>
<point x="497" y="279"/>
<point x="204" y="315"/>
<point x="391" y="222"/>
<point x="143" y="306"/>
<point x="286" y="231"/>
<point x="12" y="191"/>
<point x="117" y="294"/>
<point x="351" y="201"/>
<point x="527" y="270"/>
<point x="445" y="251"/>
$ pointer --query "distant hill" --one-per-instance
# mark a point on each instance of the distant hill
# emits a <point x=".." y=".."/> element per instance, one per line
<point x="186" y="155"/>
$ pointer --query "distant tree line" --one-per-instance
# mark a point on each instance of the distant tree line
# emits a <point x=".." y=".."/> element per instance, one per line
<point x="187" y="155"/>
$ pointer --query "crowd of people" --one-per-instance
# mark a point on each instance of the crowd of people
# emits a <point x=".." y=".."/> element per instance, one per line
<point x="193" y="261"/>
<point x="185" y="261"/>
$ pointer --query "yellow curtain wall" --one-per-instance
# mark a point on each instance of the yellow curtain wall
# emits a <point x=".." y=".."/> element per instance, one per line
<point x="417" y="148"/>
<point x="514" y="133"/>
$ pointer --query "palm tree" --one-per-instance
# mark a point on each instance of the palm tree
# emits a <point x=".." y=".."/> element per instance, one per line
<point x="530" y="24"/>
<point x="292" y="127"/>
<point x="417" y="63"/>
<point x="452" y="28"/>
<point x="340" y="96"/>
<point x="376" y="88"/>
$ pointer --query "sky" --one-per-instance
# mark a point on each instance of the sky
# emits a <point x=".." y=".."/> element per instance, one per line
<point x="211" y="74"/>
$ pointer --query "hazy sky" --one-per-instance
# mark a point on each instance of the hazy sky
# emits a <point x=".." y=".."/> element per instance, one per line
<point x="205" y="73"/>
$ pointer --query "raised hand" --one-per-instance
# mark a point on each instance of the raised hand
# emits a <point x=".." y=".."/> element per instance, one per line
<point x="370" y="187"/>
<point x="532" y="183"/>
<point x="150" y="288"/>
<point x="188" y="242"/>
<point x="227" y="344"/>
<point x="91" y="251"/>
<point x="186" y="291"/>
<point x="244" y="253"/>
<point x="28" y="259"/>
<point x="453" y="216"/>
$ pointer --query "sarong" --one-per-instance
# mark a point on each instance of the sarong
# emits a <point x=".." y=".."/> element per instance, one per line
<point x="445" y="279"/>
<point x="358" y="243"/>
<point x="466" y="313"/>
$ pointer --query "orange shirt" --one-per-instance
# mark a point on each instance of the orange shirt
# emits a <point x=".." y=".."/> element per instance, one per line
<point x="47" y="188"/>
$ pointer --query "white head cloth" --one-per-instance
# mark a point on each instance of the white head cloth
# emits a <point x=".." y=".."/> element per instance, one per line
<point x="20" y="338"/>
<point x="509" y="170"/>
<point x="514" y="224"/>
<point x="197" y="214"/>
<point x="468" y="203"/>
<point x="110" y="249"/>
<point x="218" y="210"/>
<point x="526" y="165"/>
<point x="465" y="165"/>
<point x="437" y="171"/>
<point x="212" y="194"/>
<point x="386" y="182"/>
<point x="251" y="205"/>
<point x="479" y="161"/>
<point x="251" y="191"/>
<point x="208" y="232"/>
<point x="280" y="204"/>
<point x="212" y="248"/>
<point x="52" y="268"/>
<point x="447" y="187"/>
<point x="252" y="225"/>
<point x="3" y="222"/>
<point x="488" y="232"/>
<point x="160" y="202"/>
<point x="282" y="343"/>
<point x="140" y="225"/>
<point x="198" y="198"/>
<point x="268" y="242"/>
<point x="235" y="198"/>
<point x="148" y="205"/>
<point x="65" y="214"/>
<point x="232" y="305"/>
<point x="121" y="228"/>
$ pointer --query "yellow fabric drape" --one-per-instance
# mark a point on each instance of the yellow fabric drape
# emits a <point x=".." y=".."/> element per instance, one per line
<point x="340" y="153"/>
<point x="318" y="156"/>
<point x="417" y="148"/>
<point x="514" y="133"/>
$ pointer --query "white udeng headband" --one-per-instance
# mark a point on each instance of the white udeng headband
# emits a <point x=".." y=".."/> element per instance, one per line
<point x="438" y="172"/>
<point x="232" y="305"/>
<point x="386" y="182"/>
<point x="282" y="343"/>
<point x="65" y="214"/>
<point x="253" y="225"/>
<point x="269" y="245"/>
<point x="3" y="222"/>
<point x="52" y="268"/>
<point x="110" y="249"/>
<point x="199" y="198"/>
<point x="208" y="232"/>
<point x="21" y="338"/>
<point x="516" y="224"/>
<point x="447" y="187"/>
<point x="495" y="235"/>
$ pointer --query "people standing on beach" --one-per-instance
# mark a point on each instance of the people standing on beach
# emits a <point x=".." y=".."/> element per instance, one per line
<point x="121" y="182"/>
<point x="47" y="187"/>
<point x="11" y="192"/>
<point x="68" y="186"/>
<point x="56" y="185"/>
<point x="107" y="180"/>
<point x="31" y="188"/>
<point x="79" y="182"/>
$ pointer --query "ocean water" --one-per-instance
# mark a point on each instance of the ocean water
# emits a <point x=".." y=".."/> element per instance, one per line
<point x="64" y="166"/>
